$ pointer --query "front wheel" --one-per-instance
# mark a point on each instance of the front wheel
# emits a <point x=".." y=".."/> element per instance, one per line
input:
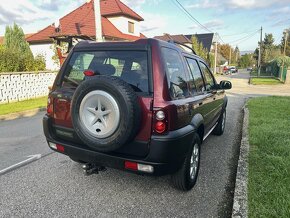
<point x="185" y="178"/>
<point x="220" y="127"/>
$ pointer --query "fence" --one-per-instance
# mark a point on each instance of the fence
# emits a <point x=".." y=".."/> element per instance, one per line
<point x="18" y="86"/>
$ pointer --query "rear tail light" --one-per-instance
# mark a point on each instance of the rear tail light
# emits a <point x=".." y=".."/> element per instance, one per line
<point x="131" y="165"/>
<point x="49" y="108"/>
<point x="160" y="122"/>
<point x="57" y="147"/>
<point x="160" y="127"/>
<point x="60" y="148"/>
<point x="138" y="167"/>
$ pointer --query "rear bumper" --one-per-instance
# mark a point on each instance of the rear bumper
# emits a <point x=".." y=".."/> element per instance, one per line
<point x="166" y="153"/>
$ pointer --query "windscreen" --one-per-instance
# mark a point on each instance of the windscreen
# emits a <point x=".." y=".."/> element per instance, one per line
<point x="130" y="66"/>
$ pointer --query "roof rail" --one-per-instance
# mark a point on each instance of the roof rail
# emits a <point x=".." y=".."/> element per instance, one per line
<point x="180" y="45"/>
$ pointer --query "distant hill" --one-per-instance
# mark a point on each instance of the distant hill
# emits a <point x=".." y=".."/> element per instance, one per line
<point x="246" y="52"/>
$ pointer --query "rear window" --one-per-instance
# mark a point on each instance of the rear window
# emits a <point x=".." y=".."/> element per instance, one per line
<point x="130" y="66"/>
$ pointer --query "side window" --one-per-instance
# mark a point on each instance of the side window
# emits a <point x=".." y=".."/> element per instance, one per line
<point x="81" y="63"/>
<point x="197" y="80"/>
<point x="177" y="81"/>
<point x="209" y="80"/>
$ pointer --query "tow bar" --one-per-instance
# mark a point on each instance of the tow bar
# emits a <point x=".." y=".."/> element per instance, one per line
<point x="90" y="169"/>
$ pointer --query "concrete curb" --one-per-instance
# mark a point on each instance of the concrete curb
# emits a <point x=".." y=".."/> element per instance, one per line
<point x="240" y="205"/>
<point x="28" y="113"/>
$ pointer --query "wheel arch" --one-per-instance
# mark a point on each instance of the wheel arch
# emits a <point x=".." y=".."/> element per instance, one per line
<point x="198" y="123"/>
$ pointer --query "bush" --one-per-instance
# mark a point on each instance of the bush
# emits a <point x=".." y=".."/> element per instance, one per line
<point x="11" y="61"/>
<point x="39" y="63"/>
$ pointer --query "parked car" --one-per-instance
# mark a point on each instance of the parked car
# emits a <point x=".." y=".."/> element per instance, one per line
<point x="233" y="69"/>
<point x="143" y="106"/>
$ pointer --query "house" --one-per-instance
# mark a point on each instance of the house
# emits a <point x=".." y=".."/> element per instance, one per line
<point x="119" y="23"/>
<point x="206" y="39"/>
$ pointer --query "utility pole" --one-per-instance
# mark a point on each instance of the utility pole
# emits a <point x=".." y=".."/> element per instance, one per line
<point x="230" y="55"/>
<point x="98" y="21"/>
<point x="236" y="55"/>
<point x="284" y="53"/>
<point x="215" y="55"/>
<point x="260" y="50"/>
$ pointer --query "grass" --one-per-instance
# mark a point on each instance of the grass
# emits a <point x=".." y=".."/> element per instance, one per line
<point x="269" y="157"/>
<point x="254" y="72"/>
<point x="265" y="81"/>
<point x="23" y="105"/>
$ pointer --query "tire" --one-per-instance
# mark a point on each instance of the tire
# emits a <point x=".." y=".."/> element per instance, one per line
<point x="183" y="179"/>
<point x="105" y="113"/>
<point x="220" y="127"/>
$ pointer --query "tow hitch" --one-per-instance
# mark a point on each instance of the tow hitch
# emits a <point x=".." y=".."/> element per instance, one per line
<point x="90" y="169"/>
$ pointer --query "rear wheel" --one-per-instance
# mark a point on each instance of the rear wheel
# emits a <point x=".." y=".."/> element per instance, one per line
<point x="185" y="178"/>
<point x="220" y="127"/>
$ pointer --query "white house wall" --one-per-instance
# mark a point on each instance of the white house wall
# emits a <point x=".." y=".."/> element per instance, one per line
<point x="121" y="23"/>
<point x="47" y="51"/>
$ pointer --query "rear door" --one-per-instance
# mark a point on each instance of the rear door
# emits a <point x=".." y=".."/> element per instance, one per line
<point x="132" y="66"/>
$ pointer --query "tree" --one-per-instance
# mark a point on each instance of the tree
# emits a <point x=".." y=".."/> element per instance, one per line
<point x="246" y="60"/>
<point x="287" y="51"/>
<point x="15" y="54"/>
<point x="236" y="55"/>
<point x="269" y="50"/>
<point x="14" y="40"/>
<point x="224" y="50"/>
<point x="198" y="48"/>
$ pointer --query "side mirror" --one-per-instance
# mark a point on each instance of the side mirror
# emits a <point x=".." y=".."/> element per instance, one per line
<point x="224" y="84"/>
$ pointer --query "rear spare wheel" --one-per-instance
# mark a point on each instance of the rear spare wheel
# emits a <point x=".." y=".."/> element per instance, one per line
<point x="105" y="113"/>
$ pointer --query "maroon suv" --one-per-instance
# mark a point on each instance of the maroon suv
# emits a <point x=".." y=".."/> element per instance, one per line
<point x="143" y="106"/>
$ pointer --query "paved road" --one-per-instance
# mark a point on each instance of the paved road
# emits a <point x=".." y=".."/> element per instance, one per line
<point x="55" y="186"/>
<point x="20" y="138"/>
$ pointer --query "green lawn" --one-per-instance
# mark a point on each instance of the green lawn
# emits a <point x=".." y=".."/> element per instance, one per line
<point x="269" y="157"/>
<point x="23" y="105"/>
<point x="265" y="81"/>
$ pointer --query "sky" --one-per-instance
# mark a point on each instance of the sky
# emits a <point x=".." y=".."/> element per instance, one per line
<point x="236" y="21"/>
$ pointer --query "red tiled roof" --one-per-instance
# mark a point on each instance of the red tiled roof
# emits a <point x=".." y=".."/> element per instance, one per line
<point x="116" y="7"/>
<point x="82" y="22"/>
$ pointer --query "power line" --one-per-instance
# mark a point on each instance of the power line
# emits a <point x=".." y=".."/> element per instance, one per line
<point x="238" y="33"/>
<point x="244" y="38"/>
<point x="182" y="8"/>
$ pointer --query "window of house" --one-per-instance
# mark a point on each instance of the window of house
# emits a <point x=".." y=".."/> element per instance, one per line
<point x="196" y="82"/>
<point x="130" y="27"/>
<point x="209" y="80"/>
<point x="176" y="77"/>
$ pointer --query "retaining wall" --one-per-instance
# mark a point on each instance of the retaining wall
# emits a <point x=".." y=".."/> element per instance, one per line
<point x="18" y="86"/>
